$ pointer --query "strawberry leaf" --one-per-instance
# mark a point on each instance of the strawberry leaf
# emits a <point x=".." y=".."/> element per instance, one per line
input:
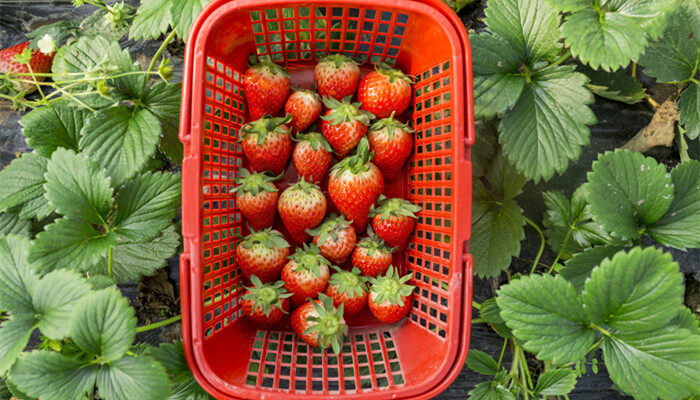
<point x="579" y="267"/>
<point x="152" y="19"/>
<point x="481" y="362"/>
<point x="163" y="100"/>
<point x="50" y="375"/>
<point x="22" y="184"/>
<point x="495" y="390"/>
<point x="183" y="13"/>
<point x="172" y="357"/>
<point x="14" y="336"/>
<point x="690" y="110"/>
<point x="686" y="319"/>
<point x="131" y="378"/>
<point x="618" y="85"/>
<point x="54" y="297"/>
<point x="52" y="127"/>
<point x="12" y="224"/>
<point x="16" y="278"/>
<point x="557" y="382"/>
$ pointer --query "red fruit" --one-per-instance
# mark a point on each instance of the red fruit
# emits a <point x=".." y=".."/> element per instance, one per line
<point x="391" y="142"/>
<point x="372" y="256"/>
<point x="336" y="76"/>
<point x="312" y="155"/>
<point x="256" y="197"/>
<point x="266" y="86"/>
<point x="384" y="91"/>
<point x="301" y="207"/>
<point x="265" y="304"/>
<point x="393" y="220"/>
<point x="262" y="254"/>
<point x="348" y="288"/>
<point x="306" y="274"/>
<point x="320" y="324"/>
<point x="267" y="144"/>
<point x="38" y="61"/>
<point x="304" y="106"/>
<point x="354" y="185"/>
<point x="344" y="124"/>
<point x="390" y="296"/>
<point x="335" y="237"/>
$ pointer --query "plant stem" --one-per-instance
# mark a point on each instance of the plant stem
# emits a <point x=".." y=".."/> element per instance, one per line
<point x="155" y="325"/>
<point x="634" y="70"/>
<point x="563" y="245"/>
<point x="157" y="56"/>
<point x="652" y="102"/>
<point x="561" y="59"/>
<point x="477" y="321"/>
<point x="541" y="250"/>
<point x="503" y="351"/>
<point x="476" y="305"/>
<point x="109" y="263"/>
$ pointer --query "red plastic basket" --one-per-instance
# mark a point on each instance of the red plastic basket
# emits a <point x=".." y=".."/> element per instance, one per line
<point x="415" y="358"/>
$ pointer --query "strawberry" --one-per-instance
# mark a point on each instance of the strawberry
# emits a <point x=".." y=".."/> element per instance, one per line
<point x="390" y="296"/>
<point x="372" y="255"/>
<point x="336" y="76"/>
<point x="301" y="207"/>
<point x="312" y="155"/>
<point x="39" y="63"/>
<point x="384" y="91"/>
<point x="266" y="86"/>
<point x="335" y="237"/>
<point x="267" y="144"/>
<point x="354" y="185"/>
<point x="393" y="220"/>
<point x="320" y="324"/>
<point x="306" y="274"/>
<point x="344" y="124"/>
<point x="263" y="254"/>
<point x="256" y="197"/>
<point x="265" y="303"/>
<point x="305" y="107"/>
<point x="391" y="142"/>
<point x="349" y="289"/>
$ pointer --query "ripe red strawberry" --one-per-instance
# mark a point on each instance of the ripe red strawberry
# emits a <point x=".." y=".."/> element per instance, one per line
<point x="320" y="324"/>
<point x="354" y="185"/>
<point x="256" y="197"/>
<point x="306" y="274"/>
<point x="336" y="76"/>
<point x="372" y="255"/>
<point x="344" y="124"/>
<point x="393" y="220"/>
<point x="267" y="144"/>
<point x="335" y="237"/>
<point x="392" y="142"/>
<point x="265" y="303"/>
<point x="304" y="106"/>
<point x="263" y="254"/>
<point x="312" y="155"/>
<point x="384" y="91"/>
<point x="390" y="296"/>
<point x="39" y="62"/>
<point x="349" y="289"/>
<point x="266" y="86"/>
<point x="301" y="207"/>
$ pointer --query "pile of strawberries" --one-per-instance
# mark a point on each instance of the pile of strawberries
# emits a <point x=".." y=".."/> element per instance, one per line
<point x="368" y="154"/>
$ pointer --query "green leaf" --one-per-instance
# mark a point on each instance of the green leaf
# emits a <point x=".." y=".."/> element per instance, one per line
<point x="686" y="319"/>
<point x="131" y="378"/>
<point x="146" y="205"/>
<point x="547" y="314"/>
<point x="104" y="324"/>
<point x="98" y="282"/>
<point x="531" y="27"/>
<point x="172" y="357"/>
<point x="496" y="235"/>
<point x="4" y="391"/>
<point x="662" y="363"/>
<point x="617" y="85"/>
<point x="49" y="375"/>
<point x="490" y="313"/>
<point x="68" y="243"/>
<point x="22" y="184"/>
<point x="482" y="362"/>
<point x="579" y="267"/>
<point x="490" y="391"/>
<point x="188" y="390"/>
<point x="12" y="224"/>
<point x="78" y="188"/>
<point x="14" y="336"/>
<point x="152" y="20"/>
<point x="627" y="192"/>
<point x="569" y="5"/>
<point x="121" y="139"/>
<point x="557" y="382"/>
<point x="680" y="226"/>
<point x="16" y="279"/>
<point x="163" y="99"/>
<point x="54" y="297"/>
<point x="183" y="14"/>
<point x="483" y="151"/>
<point x="674" y="56"/>
<point x="54" y="126"/>
<point x="690" y="110"/>
<point x="58" y="31"/>
<point x="547" y="126"/>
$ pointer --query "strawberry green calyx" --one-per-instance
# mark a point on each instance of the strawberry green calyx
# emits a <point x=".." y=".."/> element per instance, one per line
<point x="302" y="186"/>
<point x="330" y="228"/>
<point x="337" y="60"/>
<point x="345" y="111"/>
<point x="391" y="287"/>
<point x="395" y="207"/>
<point x="390" y="124"/>
<point x="268" y="66"/>
<point x="267" y="124"/>
<point x="309" y="259"/>
<point x="316" y="141"/>
<point x="392" y="73"/>
<point x="357" y="163"/>
<point x="373" y="243"/>
<point x="254" y="183"/>
<point x="349" y="282"/>
<point x="328" y="322"/>
<point x="266" y="296"/>
<point x="268" y="238"/>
